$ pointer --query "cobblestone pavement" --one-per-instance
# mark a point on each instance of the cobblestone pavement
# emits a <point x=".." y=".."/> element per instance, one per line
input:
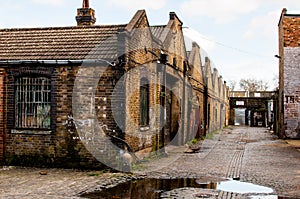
<point x="249" y="154"/>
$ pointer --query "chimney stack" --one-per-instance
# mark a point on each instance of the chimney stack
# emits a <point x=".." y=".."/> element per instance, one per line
<point x="85" y="15"/>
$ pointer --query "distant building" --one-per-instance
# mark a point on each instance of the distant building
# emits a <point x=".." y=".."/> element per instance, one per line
<point x="289" y="75"/>
<point x="254" y="108"/>
<point x="66" y="92"/>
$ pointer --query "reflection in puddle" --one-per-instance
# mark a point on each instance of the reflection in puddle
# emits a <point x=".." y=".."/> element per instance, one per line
<point x="264" y="197"/>
<point x="154" y="188"/>
<point x="242" y="187"/>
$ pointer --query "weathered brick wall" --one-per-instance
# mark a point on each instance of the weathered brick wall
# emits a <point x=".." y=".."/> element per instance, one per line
<point x="172" y="43"/>
<point x="2" y="113"/>
<point x="292" y="91"/>
<point x="92" y="98"/>
<point x="69" y="148"/>
<point x="280" y="127"/>
<point x="141" y="64"/>
<point x="197" y="114"/>
<point x="289" y="44"/>
<point x="217" y="99"/>
<point x="221" y="104"/>
<point x="26" y="146"/>
<point x="88" y="93"/>
<point x="140" y="137"/>
<point x="291" y="31"/>
<point x="29" y="148"/>
<point x="56" y="147"/>
<point x="210" y="96"/>
<point x="227" y="105"/>
<point x="198" y="84"/>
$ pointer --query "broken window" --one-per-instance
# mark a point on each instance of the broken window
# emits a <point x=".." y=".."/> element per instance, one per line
<point x="144" y="102"/>
<point x="33" y="102"/>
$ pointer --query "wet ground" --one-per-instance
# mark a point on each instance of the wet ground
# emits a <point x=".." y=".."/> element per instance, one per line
<point x="254" y="157"/>
<point x="180" y="188"/>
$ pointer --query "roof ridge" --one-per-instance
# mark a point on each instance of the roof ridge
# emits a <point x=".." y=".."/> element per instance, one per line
<point x="158" y="26"/>
<point x="63" y="27"/>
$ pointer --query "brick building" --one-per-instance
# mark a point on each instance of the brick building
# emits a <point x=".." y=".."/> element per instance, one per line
<point x="77" y="96"/>
<point x="289" y="75"/>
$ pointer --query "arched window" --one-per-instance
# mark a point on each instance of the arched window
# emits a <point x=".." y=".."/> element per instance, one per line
<point x="144" y="102"/>
<point x="32" y="102"/>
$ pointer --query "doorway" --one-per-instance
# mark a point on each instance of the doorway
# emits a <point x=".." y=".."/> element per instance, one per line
<point x="239" y="116"/>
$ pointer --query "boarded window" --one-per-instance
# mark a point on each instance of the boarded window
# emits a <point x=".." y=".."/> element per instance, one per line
<point x="144" y="102"/>
<point x="32" y="108"/>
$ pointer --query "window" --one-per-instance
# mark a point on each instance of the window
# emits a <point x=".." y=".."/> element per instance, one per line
<point x="144" y="102"/>
<point x="257" y="94"/>
<point x="33" y="102"/>
<point x="239" y="103"/>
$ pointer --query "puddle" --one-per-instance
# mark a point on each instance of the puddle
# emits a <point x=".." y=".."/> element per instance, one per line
<point x="242" y="187"/>
<point x="264" y="197"/>
<point x="156" y="188"/>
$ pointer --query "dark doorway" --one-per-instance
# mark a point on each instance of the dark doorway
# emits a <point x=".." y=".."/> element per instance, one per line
<point x="172" y="118"/>
<point x="258" y="118"/>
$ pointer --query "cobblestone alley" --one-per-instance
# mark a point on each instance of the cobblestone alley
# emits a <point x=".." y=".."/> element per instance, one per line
<point x="251" y="155"/>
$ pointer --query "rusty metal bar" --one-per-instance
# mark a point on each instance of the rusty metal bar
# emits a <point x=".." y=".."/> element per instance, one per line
<point x="33" y="102"/>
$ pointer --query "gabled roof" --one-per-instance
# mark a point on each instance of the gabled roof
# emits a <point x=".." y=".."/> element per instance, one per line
<point x="60" y="43"/>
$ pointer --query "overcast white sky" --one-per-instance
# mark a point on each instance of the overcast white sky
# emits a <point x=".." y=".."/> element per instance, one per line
<point x="240" y="36"/>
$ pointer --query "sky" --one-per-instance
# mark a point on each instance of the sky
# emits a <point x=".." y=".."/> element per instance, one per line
<point x="239" y="36"/>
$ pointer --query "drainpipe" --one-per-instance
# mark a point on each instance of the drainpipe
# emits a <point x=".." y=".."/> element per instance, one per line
<point x="163" y="60"/>
<point x="183" y="102"/>
<point x="58" y="62"/>
<point x="205" y="109"/>
<point x="162" y="118"/>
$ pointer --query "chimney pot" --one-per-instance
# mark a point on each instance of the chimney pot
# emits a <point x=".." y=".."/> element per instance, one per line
<point x="85" y="15"/>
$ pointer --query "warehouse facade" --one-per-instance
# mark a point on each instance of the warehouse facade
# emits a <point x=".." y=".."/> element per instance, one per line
<point x="79" y="96"/>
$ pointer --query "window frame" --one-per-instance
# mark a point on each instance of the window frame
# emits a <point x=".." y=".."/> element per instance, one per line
<point x="37" y="91"/>
<point x="144" y="117"/>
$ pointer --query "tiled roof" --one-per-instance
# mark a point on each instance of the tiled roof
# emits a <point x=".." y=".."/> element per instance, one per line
<point x="59" y="43"/>
<point x="157" y="31"/>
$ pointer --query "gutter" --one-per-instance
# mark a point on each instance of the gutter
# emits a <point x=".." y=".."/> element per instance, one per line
<point x="101" y="62"/>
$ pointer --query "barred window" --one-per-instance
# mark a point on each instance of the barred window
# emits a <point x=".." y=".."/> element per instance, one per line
<point x="33" y="102"/>
<point x="144" y="102"/>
